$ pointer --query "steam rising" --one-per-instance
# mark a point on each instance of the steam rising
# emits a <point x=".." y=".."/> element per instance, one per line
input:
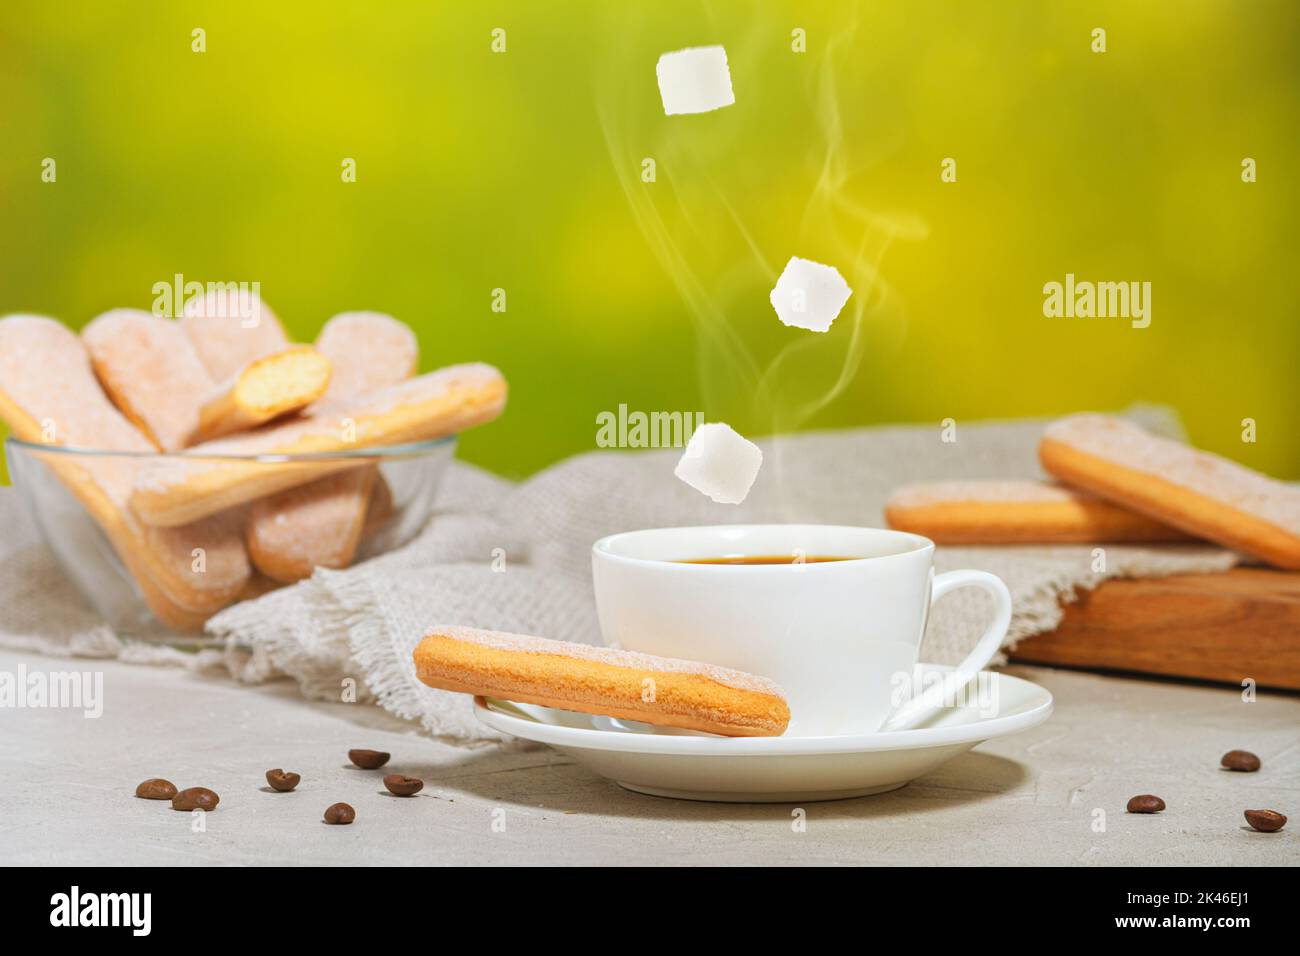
<point x="693" y="214"/>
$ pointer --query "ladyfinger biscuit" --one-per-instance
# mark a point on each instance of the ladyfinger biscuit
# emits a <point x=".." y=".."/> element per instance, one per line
<point x="176" y="491"/>
<point x="231" y="327"/>
<point x="258" y="585"/>
<point x="602" y="680"/>
<point x="369" y="351"/>
<point x="295" y="531"/>
<point x="379" y="508"/>
<point x="1200" y="493"/>
<point x="1016" y="512"/>
<point x="264" y="389"/>
<point x="201" y="566"/>
<point x="49" y="395"/>
<point x="38" y="358"/>
<point x="320" y="524"/>
<point x="151" y="371"/>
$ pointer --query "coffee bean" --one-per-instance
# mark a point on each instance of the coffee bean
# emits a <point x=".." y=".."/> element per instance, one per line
<point x="340" y="814"/>
<point x="1265" y="821"/>
<point x="156" y="788"/>
<point x="195" y="798"/>
<point x="403" y="786"/>
<point x="368" y="759"/>
<point x="1242" y="760"/>
<point x="1145" y="803"/>
<point x="281" y="781"/>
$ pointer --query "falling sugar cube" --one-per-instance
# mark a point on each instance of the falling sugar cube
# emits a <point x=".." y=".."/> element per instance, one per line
<point x="695" y="80"/>
<point x="720" y="463"/>
<point x="809" y="295"/>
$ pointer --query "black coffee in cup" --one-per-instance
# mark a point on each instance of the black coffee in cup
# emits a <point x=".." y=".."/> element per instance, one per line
<point x="736" y="559"/>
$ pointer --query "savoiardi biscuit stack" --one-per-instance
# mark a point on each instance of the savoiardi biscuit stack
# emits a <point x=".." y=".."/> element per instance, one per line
<point x="1202" y="494"/>
<point x="1114" y="482"/>
<point x="215" y="383"/>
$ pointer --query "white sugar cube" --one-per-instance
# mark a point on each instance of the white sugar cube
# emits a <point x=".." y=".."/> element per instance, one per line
<point x="695" y="80"/>
<point x="720" y="463"/>
<point x="809" y="295"/>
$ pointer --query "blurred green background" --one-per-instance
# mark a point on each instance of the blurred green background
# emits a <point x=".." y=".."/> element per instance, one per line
<point x="522" y="170"/>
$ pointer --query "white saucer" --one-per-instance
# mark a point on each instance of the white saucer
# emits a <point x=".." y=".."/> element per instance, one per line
<point x="689" y="766"/>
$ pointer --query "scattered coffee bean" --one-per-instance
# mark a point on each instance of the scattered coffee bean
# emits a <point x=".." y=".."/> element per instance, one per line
<point x="196" y="798"/>
<point x="368" y="759"/>
<point x="403" y="786"/>
<point x="340" y="814"/>
<point x="1145" y="803"/>
<point x="1242" y="760"/>
<point x="281" y="781"/>
<point x="1265" y="821"/>
<point x="156" y="788"/>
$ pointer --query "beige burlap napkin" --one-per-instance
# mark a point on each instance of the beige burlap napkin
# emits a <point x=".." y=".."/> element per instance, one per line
<point x="517" y="558"/>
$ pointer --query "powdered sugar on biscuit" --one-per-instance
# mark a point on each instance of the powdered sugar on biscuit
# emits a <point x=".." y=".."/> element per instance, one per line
<point x="1212" y="476"/>
<point x="925" y="493"/>
<point x="424" y="388"/>
<point x="164" y="474"/>
<point x="527" y="644"/>
<point x="369" y="351"/>
<point x="45" y="370"/>
<point x="225" y="562"/>
<point x="230" y="327"/>
<point x="323" y="427"/>
<point x="45" y="373"/>
<point x="315" y="524"/>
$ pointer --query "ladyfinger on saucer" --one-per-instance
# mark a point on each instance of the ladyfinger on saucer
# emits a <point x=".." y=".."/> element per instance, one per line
<point x="231" y="327"/>
<point x="601" y="680"/>
<point x="1200" y="493"/>
<point x="175" y="491"/>
<point x="319" y="524"/>
<point x="1016" y="512"/>
<point x="49" y="395"/>
<point x="150" y="370"/>
<point x="264" y="389"/>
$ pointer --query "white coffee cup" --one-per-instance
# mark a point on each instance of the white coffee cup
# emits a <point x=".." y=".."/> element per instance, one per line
<point x="838" y="636"/>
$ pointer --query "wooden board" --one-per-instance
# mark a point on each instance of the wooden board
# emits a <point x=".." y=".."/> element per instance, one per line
<point x="1228" y="626"/>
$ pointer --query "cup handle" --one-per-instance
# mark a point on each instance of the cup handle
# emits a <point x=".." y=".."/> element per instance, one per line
<point x="933" y="698"/>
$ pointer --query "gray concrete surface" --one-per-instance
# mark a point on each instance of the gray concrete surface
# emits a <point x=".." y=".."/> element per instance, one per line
<point x="66" y="785"/>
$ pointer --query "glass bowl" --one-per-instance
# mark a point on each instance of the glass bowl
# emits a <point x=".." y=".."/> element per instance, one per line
<point x="161" y="579"/>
